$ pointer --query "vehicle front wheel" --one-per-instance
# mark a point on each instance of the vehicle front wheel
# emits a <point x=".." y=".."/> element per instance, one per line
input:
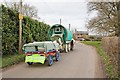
<point x="50" y="60"/>
<point x="29" y="63"/>
<point x="57" y="56"/>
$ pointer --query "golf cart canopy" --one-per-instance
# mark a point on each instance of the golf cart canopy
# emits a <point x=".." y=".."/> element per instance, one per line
<point x="45" y="46"/>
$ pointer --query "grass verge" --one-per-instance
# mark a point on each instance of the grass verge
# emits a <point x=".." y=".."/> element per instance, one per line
<point x="105" y="58"/>
<point x="0" y="61"/>
<point x="9" y="60"/>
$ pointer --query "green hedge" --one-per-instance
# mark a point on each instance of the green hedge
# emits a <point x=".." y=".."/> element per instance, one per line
<point x="33" y="30"/>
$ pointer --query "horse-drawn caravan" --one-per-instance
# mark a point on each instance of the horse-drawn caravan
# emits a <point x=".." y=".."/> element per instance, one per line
<point x="41" y="52"/>
<point x="63" y="36"/>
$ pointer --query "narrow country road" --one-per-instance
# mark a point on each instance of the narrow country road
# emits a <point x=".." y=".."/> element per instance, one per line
<point x="83" y="62"/>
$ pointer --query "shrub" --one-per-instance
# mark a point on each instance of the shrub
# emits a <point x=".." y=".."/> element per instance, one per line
<point x="33" y="30"/>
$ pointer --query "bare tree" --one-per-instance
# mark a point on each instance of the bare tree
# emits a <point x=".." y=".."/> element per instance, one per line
<point x="28" y="10"/>
<point x="107" y="17"/>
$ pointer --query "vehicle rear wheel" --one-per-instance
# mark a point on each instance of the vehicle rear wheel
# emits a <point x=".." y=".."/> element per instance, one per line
<point x="29" y="63"/>
<point x="50" y="60"/>
<point x="57" y="56"/>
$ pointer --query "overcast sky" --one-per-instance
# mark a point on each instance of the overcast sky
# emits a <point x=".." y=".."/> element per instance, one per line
<point x="72" y="12"/>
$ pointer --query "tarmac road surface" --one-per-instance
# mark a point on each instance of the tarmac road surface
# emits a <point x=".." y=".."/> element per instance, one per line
<point x="83" y="62"/>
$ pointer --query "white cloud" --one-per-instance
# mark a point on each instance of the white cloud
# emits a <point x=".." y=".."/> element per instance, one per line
<point x="44" y="1"/>
<point x="72" y="12"/>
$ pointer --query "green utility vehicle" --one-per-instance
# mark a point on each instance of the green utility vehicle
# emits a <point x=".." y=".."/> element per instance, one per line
<point x="41" y="52"/>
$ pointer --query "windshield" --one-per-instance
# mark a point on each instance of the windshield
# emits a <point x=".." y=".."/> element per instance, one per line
<point x="34" y="48"/>
<point x="29" y="49"/>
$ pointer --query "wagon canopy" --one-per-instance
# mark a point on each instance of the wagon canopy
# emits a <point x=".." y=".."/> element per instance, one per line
<point x="59" y="31"/>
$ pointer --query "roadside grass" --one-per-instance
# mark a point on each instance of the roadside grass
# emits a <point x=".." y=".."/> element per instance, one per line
<point x="0" y="61"/>
<point x="109" y="68"/>
<point x="9" y="60"/>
